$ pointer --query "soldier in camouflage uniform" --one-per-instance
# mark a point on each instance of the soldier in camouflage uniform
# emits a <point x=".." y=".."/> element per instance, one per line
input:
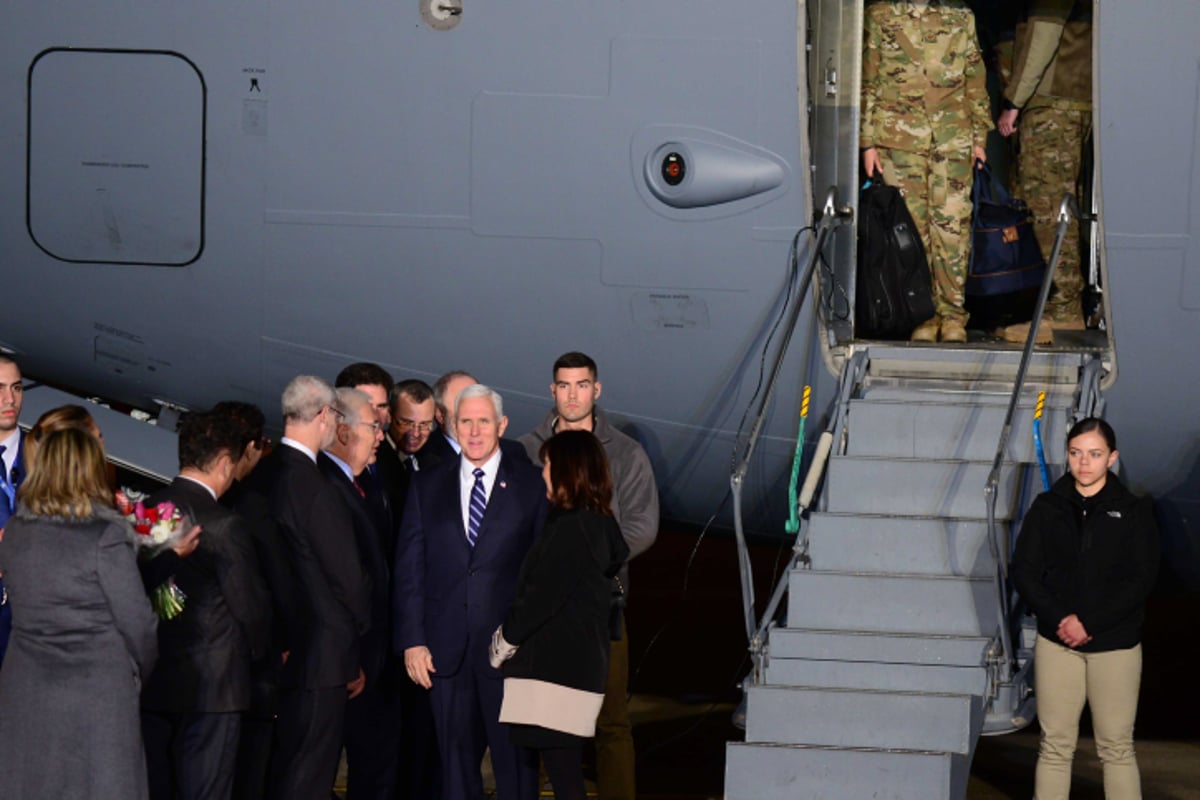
<point x="925" y="118"/>
<point x="1051" y="91"/>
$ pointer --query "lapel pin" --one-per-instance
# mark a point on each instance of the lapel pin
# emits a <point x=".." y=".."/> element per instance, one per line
<point x="503" y="484"/>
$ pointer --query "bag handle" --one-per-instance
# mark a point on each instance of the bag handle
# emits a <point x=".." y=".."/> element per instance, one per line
<point x="873" y="180"/>
<point x="985" y="189"/>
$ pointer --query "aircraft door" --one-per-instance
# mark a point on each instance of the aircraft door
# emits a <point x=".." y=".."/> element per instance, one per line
<point x="835" y="75"/>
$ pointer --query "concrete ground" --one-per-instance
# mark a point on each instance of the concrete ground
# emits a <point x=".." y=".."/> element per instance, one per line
<point x="681" y="756"/>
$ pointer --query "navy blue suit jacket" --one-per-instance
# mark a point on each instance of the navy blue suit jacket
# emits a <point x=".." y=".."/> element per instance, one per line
<point x="450" y="596"/>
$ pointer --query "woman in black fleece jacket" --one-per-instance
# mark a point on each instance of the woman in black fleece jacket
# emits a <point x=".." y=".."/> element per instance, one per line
<point x="557" y="630"/>
<point x="1085" y="560"/>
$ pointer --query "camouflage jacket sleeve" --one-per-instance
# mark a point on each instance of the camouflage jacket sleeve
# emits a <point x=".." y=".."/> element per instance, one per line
<point x="1035" y="49"/>
<point x="921" y="71"/>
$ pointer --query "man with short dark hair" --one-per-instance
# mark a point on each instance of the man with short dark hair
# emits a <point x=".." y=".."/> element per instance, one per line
<point x="404" y="451"/>
<point x="12" y="466"/>
<point x="374" y="381"/>
<point x="467" y="527"/>
<point x="414" y="416"/>
<point x="575" y="390"/>
<point x="193" y="701"/>
<point x="258" y="721"/>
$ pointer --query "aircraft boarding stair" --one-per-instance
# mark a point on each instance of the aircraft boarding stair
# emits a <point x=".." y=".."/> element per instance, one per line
<point x="880" y="683"/>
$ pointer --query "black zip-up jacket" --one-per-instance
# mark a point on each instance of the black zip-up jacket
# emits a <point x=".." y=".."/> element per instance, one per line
<point x="1096" y="559"/>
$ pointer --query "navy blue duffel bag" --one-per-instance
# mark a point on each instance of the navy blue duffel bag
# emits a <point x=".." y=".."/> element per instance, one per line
<point x="1005" y="256"/>
<point x="1006" y="268"/>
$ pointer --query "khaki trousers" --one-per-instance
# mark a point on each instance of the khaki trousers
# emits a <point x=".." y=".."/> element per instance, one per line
<point x="614" y="733"/>
<point x="1108" y="682"/>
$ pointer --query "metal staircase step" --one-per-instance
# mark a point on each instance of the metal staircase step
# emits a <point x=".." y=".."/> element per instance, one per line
<point x="908" y="545"/>
<point x="945" y="430"/>
<point x="895" y="648"/>
<point x="876" y="675"/>
<point x="965" y="392"/>
<point x="974" y="363"/>
<point x="758" y="771"/>
<point x="917" y="487"/>
<point x="892" y="603"/>
<point x="859" y="718"/>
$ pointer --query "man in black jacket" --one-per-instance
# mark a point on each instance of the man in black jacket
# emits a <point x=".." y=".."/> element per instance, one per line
<point x="192" y="702"/>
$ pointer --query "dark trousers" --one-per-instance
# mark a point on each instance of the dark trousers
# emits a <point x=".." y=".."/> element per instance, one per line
<point x="466" y="717"/>
<point x="191" y="756"/>
<point x="564" y="766"/>
<point x="308" y="738"/>
<point x="254" y="754"/>
<point x="419" y="769"/>
<point x="373" y="730"/>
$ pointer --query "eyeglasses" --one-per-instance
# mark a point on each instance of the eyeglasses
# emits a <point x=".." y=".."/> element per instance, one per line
<point x="340" y="416"/>
<point x="408" y="424"/>
<point x="374" y="426"/>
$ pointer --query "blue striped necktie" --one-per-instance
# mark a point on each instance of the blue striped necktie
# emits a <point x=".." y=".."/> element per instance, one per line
<point x="10" y="491"/>
<point x="478" y="504"/>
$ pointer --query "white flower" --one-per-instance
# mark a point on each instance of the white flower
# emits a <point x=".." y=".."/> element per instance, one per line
<point x="161" y="531"/>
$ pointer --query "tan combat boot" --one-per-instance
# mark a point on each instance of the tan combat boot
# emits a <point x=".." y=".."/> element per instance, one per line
<point x="953" y="331"/>
<point x="927" y="331"/>
<point x="1019" y="333"/>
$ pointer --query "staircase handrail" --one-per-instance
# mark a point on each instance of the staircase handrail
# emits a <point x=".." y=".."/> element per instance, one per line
<point x="852" y="375"/>
<point x="832" y="215"/>
<point x="1066" y="209"/>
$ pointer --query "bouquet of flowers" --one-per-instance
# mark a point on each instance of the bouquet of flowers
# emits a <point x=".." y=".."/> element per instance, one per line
<point x="155" y="528"/>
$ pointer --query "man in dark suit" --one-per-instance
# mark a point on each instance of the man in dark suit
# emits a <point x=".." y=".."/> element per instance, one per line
<point x="467" y="526"/>
<point x="192" y="701"/>
<point x="402" y="454"/>
<point x="252" y="503"/>
<point x="411" y="427"/>
<point x="413" y="419"/>
<point x="12" y="466"/>
<point x="333" y="597"/>
<point x="372" y="735"/>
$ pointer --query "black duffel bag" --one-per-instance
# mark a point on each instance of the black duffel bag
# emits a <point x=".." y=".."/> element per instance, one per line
<point x="892" y="289"/>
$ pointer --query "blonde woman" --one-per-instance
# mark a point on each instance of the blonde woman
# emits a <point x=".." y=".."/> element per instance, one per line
<point x="83" y="634"/>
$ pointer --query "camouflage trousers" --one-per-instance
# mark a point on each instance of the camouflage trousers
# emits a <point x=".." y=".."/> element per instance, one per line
<point x="1047" y="168"/>
<point x="937" y="191"/>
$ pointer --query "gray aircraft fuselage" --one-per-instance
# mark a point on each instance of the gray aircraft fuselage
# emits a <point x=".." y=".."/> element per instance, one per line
<point x="201" y="202"/>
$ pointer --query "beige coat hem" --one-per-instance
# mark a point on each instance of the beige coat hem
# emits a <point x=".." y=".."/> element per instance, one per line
<point x="550" y="705"/>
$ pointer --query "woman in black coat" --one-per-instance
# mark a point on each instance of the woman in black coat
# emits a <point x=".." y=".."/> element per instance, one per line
<point x="1085" y="561"/>
<point x="83" y="634"/>
<point x="556" y="636"/>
